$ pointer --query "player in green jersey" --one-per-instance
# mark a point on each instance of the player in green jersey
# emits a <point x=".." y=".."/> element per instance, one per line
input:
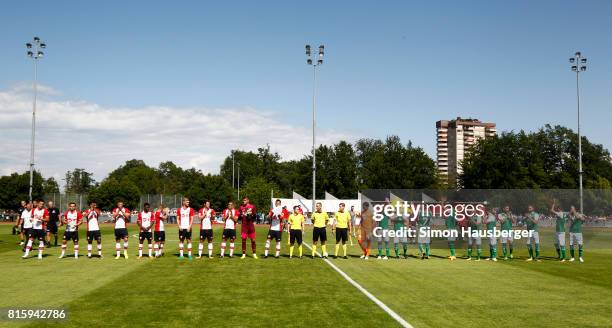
<point x="575" y="236"/>
<point x="384" y="237"/>
<point x="533" y="241"/>
<point x="424" y="238"/>
<point x="506" y="219"/>
<point x="474" y="238"/>
<point x="561" y="220"/>
<point x="399" y="222"/>
<point x="451" y="226"/>
<point x="491" y="222"/>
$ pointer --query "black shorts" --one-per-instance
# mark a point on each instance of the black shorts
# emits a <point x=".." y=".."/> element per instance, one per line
<point x="71" y="235"/>
<point x="274" y="234"/>
<point x="26" y="231"/>
<point x="206" y="234"/>
<point x="341" y="235"/>
<point x="121" y="233"/>
<point x="184" y="234"/>
<point x="160" y="236"/>
<point x="148" y="235"/>
<point x="319" y="233"/>
<point x="295" y="235"/>
<point x="229" y="234"/>
<point x="52" y="229"/>
<point x="37" y="234"/>
<point x="93" y="235"/>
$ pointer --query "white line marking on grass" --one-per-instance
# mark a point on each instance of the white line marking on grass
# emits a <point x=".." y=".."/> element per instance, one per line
<point x="369" y="295"/>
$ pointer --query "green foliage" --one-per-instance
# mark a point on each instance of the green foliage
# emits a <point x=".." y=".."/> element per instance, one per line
<point x="391" y="165"/>
<point x="213" y="188"/>
<point x="546" y="159"/>
<point x="79" y="181"/>
<point x="15" y="188"/>
<point x="111" y="191"/>
<point x="258" y="190"/>
<point x="50" y="186"/>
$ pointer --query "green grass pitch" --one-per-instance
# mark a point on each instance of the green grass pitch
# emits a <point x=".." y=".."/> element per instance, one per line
<point x="281" y="292"/>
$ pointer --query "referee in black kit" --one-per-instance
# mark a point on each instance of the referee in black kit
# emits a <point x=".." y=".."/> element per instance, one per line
<point x="52" y="225"/>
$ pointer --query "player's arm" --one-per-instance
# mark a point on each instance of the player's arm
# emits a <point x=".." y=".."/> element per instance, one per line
<point x="79" y="218"/>
<point x="191" y="215"/>
<point x="350" y="225"/>
<point x="139" y="221"/>
<point x="552" y="208"/>
<point x="334" y="223"/>
<point x="19" y="220"/>
<point x="45" y="217"/>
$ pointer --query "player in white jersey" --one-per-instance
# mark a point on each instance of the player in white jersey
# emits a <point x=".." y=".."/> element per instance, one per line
<point x="160" y="233"/>
<point x="40" y="216"/>
<point x="25" y="223"/>
<point x="185" y="220"/>
<point x="206" y="215"/>
<point x="18" y="227"/>
<point x="91" y="215"/>
<point x="277" y="216"/>
<point x="72" y="219"/>
<point x="230" y="216"/>
<point x="121" y="215"/>
<point x="145" y="223"/>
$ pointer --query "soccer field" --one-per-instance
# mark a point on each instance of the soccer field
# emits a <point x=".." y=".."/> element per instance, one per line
<point x="294" y="293"/>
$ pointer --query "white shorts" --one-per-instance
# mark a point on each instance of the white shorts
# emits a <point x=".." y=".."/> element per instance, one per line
<point x="535" y="238"/>
<point x="474" y="241"/>
<point x="492" y="239"/>
<point x="425" y="239"/>
<point x="384" y="236"/>
<point x="575" y="238"/>
<point x="397" y="239"/>
<point x="560" y="238"/>
<point x="506" y="239"/>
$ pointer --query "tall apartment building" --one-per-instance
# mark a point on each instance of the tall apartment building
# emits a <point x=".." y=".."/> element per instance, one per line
<point x="455" y="138"/>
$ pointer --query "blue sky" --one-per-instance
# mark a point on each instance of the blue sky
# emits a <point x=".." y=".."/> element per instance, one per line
<point x="390" y="68"/>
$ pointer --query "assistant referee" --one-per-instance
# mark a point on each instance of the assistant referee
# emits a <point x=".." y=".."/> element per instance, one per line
<point x="320" y="220"/>
<point x="342" y="225"/>
<point x="296" y="226"/>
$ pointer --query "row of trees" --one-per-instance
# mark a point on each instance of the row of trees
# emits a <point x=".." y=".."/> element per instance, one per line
<point x="545" y="159"/>
<point x="15" y="187"/>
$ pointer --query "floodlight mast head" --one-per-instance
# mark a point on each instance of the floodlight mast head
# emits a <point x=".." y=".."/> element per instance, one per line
<point x="34" y="48"/>
<point x="320" y="54"/>
<point x="578" y="62"/>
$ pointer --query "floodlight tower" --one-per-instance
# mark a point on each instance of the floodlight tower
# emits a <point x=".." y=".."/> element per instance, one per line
<point x="319" y="62"/>
<point x="578" y="65"/>
<point x="34" y="51"/>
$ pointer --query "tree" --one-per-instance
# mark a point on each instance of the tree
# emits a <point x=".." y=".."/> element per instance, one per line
<point x="50" y="186"/>
<point x="258" y="189"/>
<point x="545" y="159"/>
<point x="79" y="181"/>
<point x="15" y="188"/>
<point x="213" y="188"/>
<point x="111" y="191"/>
<point x="391" y="165"/>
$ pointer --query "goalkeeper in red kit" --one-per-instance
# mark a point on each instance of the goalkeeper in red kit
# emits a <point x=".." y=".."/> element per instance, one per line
<point x="248" y="215"/>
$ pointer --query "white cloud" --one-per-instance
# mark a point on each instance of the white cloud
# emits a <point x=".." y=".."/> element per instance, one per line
<point x="80" y="134"/>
